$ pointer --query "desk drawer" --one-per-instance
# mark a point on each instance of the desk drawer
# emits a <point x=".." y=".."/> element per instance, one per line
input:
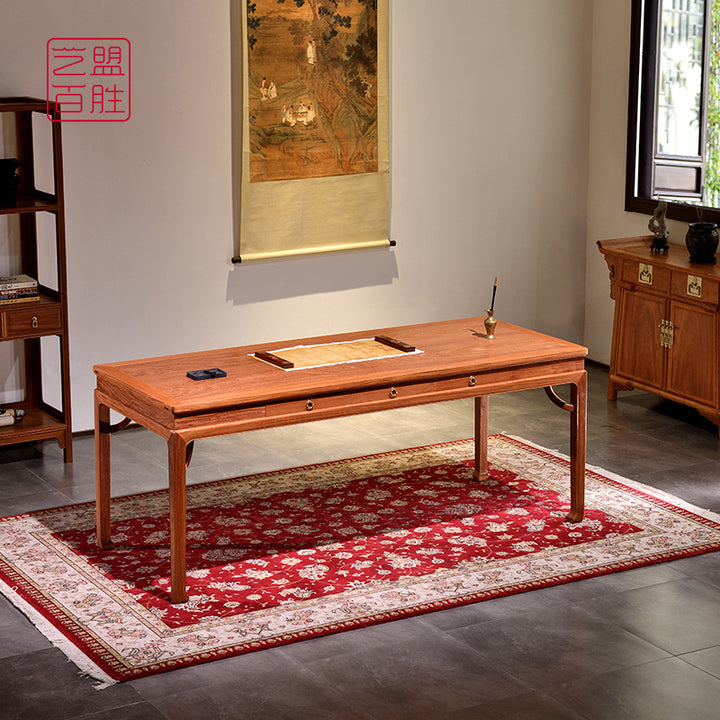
<point x="31" y="322"/>
<point x="384" y="397"/>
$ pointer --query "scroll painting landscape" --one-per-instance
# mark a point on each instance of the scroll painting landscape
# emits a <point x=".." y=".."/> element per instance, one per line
<point x="312" y="79"/>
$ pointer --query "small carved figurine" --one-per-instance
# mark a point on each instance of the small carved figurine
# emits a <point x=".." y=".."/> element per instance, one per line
<point x="659" y="229"/>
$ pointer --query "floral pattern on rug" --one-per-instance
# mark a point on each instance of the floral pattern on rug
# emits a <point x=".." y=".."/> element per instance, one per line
<point x="302" y="545"/>
<point x="293" y="554"/>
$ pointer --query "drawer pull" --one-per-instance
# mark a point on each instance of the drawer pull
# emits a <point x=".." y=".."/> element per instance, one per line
<point x="393" y="392"/>
<point x="471" y="380"/>
<point x="34" y="321"/>
<point x="309" y="405"/>
<point x="694" y="286"/>
<point x="645" y="274"/>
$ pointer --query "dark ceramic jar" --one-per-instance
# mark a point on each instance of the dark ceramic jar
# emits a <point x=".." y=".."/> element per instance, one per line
<point x="9" y="180"/>
<point x="702" y="241"/>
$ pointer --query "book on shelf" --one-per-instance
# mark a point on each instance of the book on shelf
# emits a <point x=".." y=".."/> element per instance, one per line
<point x="13" y="299"/>
<point x="19" y="294"/>
<point x="17" y="282"/>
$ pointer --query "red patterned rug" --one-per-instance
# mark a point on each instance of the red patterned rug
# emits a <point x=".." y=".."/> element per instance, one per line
<point x="284" y="556"/>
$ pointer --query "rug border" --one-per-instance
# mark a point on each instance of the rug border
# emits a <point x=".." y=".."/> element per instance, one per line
<point x="85" y="664"/>
<point x="648" y="491"/>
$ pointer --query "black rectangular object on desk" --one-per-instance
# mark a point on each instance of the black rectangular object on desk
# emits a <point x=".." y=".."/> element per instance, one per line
<point x="209" y="374"/>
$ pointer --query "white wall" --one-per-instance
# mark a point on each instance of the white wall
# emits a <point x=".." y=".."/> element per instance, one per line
<point x="608" y="148"/>
<point x="489" y="177"/>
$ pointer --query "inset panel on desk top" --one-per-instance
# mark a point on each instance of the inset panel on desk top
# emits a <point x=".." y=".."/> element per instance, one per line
<point x="334" y="353"/>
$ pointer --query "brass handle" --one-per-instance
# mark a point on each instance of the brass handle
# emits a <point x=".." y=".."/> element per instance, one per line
<point x="309" y="406"/>
<point x="472" y="380"/>
<point x="393" y="392"/>
<point x="34" y="322"/>
<point x="667" y="330"/>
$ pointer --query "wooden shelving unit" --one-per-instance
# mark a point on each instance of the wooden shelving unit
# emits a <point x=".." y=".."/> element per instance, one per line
<point x="29" y="322"/>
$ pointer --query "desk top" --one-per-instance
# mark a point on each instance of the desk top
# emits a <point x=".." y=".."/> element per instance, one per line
<point x="449" y="348"/>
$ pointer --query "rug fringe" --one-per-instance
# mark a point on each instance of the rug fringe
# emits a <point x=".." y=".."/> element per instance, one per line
<point x="84" y="664"/>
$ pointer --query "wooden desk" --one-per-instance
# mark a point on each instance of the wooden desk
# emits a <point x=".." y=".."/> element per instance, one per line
<point x="456" y="361"/>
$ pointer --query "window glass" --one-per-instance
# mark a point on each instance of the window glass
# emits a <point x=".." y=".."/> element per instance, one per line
<point x="680" y="57"/>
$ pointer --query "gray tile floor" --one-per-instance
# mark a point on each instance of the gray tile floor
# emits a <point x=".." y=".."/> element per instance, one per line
<point x="634" y="645"/>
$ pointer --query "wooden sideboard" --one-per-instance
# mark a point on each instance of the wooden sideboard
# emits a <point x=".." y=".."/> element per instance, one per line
<point x="667" y="321"/>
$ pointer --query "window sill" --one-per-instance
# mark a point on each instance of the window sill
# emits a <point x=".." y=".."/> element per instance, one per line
<point x="675" y="210"/>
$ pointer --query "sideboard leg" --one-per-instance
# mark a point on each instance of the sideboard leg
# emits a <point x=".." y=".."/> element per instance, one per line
<point x="612" y="391"/>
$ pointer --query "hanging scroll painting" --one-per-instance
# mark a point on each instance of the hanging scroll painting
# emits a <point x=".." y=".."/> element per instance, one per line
<point x="313" y="129"/>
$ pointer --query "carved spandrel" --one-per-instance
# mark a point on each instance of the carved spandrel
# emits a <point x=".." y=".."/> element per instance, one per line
<point x="613" y="277"/>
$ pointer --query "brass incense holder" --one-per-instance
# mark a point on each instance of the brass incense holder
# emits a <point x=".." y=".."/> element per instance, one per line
<point x="490" y="323"/>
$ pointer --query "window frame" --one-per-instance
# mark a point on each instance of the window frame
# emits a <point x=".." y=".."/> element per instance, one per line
<point x="641" y="119"/>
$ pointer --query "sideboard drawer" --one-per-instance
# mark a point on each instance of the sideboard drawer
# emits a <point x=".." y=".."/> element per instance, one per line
<point x="31" y="322"/>
<point x="646" y="275"/>
<point x="689" y="286"/>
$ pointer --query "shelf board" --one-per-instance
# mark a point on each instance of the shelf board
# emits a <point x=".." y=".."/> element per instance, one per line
<point x="23" y="104"/>
<point x="31" y="204"/>
<point x="36" y="425"/>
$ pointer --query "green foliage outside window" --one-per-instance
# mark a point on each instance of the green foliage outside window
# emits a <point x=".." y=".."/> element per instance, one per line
<point x="711" y="195"/>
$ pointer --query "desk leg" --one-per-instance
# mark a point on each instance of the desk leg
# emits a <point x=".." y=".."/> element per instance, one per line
<point x="177" y="457"/>
<point x="481" y="437"/>
<point x="578" y="428"/>
<point x="102" y="474"/>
